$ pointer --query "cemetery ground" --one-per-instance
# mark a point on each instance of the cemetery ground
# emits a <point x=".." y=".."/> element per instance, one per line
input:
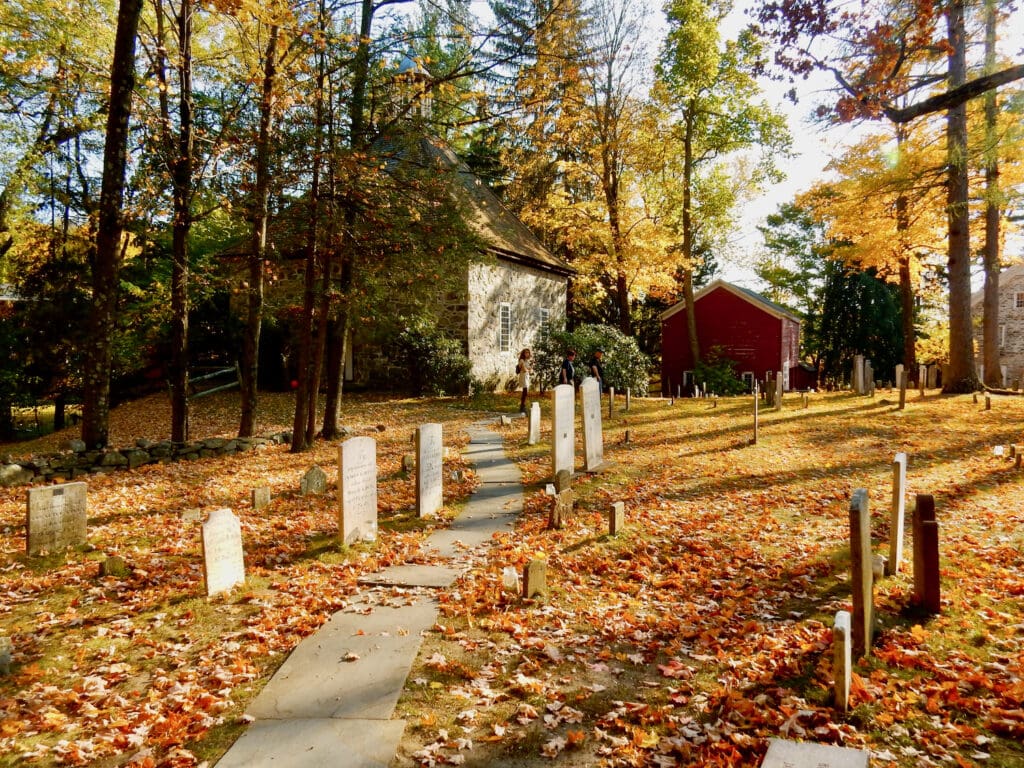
<point x="690" y="638"/>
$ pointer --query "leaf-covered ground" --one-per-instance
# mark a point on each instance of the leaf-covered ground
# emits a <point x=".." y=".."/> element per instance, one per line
<point x="705" y="628"/>
<point x="689" y="639"/>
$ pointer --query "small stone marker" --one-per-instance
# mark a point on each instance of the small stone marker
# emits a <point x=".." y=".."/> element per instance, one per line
<point x="357" y="490"/>
<point x="561" y="509"/>
<point x="904" y="375"/>
<point x="861" y="576"/>
<point x="563" y="480"/>
<point x="807" y="754"/>
<point x="5" y="655"/>
<point x="429" y="470"/>
<point x="842" y="660"/>
<point x="997" y="450"/>
<point x="408" y="462"/>
<point x="927" y="586"/>
<point x="260" y="497"/>
<point x="506" y="421"/>
<point x="897" y="513"/>
<point x="114" y="566"/>
<point x="223" y="562"/>
<point x="56" y="517"/>
<point x="314" y="482"/>
<point x="988" y="403"/>
<point x="922" y="378"/>
<point x="593" y="437"/>
<point x="533" y="434"/>
<point x="611" y="402"/>
<point x="191" y="515"/>
<point x="628" y="395"/>
<point x="756" y="417"/>
<point x="535" y="579"/>
<point x="616" y="517"/>
<point x="563" y="428"/>
<point x="778" y="392"/>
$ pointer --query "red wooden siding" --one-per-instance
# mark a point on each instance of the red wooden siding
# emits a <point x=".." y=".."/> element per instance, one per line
<point x="757" y="339"/>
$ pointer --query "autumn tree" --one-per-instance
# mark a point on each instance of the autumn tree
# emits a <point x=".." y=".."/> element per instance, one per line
<point x="880" y="57"/>
<point x="717" y="111"/>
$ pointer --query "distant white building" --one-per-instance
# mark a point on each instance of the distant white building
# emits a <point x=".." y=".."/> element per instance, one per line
<point x="1011" y="325"/>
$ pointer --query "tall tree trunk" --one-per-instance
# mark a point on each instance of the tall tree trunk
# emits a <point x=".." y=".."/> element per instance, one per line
<point x="906" y="282"/>
<point x="990" y="254"/>
<point x="962" y="376"/>
<point x="688" y="256"/>
<point x="261" y="196"/>
<point x="108" y="255"/>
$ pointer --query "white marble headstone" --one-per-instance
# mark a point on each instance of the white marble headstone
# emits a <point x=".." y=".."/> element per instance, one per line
<point x="357" y="490"/>
<point x="593" y="439"/>
<point x="429" y="470"/>
<point x="223" y="560"/>
<point x="56" y="517"/>
<point x="563" y="431"/>
<point x="534" y="426"/>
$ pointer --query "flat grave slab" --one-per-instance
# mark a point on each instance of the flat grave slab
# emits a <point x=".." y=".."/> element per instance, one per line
<point x="805" y="754"/>
<point x="310" y="742"/>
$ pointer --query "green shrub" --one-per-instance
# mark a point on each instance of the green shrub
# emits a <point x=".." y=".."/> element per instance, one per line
<point x="718" y="373"/>
<point x="436" y="364"/>
<point x="625" y="366"/>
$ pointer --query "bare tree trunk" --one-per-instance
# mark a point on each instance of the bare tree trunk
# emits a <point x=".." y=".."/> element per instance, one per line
<point x="962" y="376"/>
<point x="261" y="196"/>
<point x="688" y="257"/>
<point x="108" y="256"/>
<point x="906" y="282"/>
<point x="990" y="254"/>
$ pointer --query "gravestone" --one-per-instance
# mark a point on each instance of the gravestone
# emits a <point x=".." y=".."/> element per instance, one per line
<point x="260" y="497"/>
<point x="56" y="517"/>
<point x="533" y="434"/>
<point x="842" y="660"/>
<point x="408" y="462"/>
<point x="628" y="396"/>
<point x="5" y="655"/>
<point x="757" y="396"/>
<point x="115" y="566"/>
<point x="807" y="754"/>
<point x="616" y="517"/>
<point x="191" y="515"/>
<point x="922" y="378"/>
<point x="897" y="512"/>
<point x="933" y="376"/>
<point x="899" y="374"/>
<point x="561" y="509"/>
<point x="429" y="470"/>
<point x="778" y="391"/>
<point x="314" y="482"/>
<point x="861" y="577"/>
<point x="535" y="579"/>
<point x="858" y="374"/>
<point x="223" y="562"/>
<point x="593" y="439"/>
<point x="902" y="381"/>
<point x="927" y="593"/>
<point x="357" y="490"/>
<point x="988" y="403"/>
<point x="563" y="480"/>
<point x="563" y="428"/>
<point x="869" y="378"/>
<point x="611" y="402"/>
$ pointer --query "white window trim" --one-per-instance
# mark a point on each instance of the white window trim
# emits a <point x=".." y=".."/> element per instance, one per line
<point x="504" y="337"/>
<point x="544" y="320"/>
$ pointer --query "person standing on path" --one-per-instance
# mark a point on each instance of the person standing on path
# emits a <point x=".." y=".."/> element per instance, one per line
<point x="595" y="368"/>
<point x="523" y="369"/>
<point x="567" y="374"/>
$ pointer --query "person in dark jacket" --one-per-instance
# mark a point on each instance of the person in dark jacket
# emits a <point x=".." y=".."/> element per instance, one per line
<point x="595" y="369"/>
<point x="567" y="374"/>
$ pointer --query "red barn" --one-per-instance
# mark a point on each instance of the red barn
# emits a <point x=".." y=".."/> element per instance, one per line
<point x="757" y="334"/>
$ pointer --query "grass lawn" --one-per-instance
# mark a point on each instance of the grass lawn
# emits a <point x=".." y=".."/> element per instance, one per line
<point x="691" y="638"/>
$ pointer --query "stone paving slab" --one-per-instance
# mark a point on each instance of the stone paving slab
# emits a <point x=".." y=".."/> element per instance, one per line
<point x="320" y="742"/>
<point x="317" y="682"/>
<point x="413" y="575"/>
<point x="796" y="754"/>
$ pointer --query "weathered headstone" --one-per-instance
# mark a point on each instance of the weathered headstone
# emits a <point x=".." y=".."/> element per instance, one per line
<point x="611" y="402"/>
<point x="223" y="561"/>
<point x="757" y="396"/>
<point x="861" y="577"/>
<point x="408" y="462"/>
<point x="902" y="381"/>
<point x="628" y="396"/>
<point x="56" y="517"/>
<point x="927" y="592"/>
<point x="933" y="376"/>
<point x="897" y="512"/>
<point x="808" y="754"/>
<point x="842" y="659"/>
<point x="260" y="497"/>
<point x="535" y="578"/>
<point x="533" y="432"/>
<point x="313" y="482"/>
<point x="191" y="515"/>
<point x="357" y="490"/>
<point x="429" y="470"/>
<point x="869" y="378"/>
<point x="922" y="378"/>
<point x="988" y="403"/>
<point x="779" y="381"/>
<point x="616" y="517"/>
<point x="593" y="437"/>
<point x="561" y="509"/>
<point x="858" y="374"/>
<point x="625" y="437"/>
<point x="563" y="480"/>
<point x="563" y="428"/>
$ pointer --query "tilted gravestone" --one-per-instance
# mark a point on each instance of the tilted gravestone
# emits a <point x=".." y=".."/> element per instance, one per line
<point x="313" y="482"/>
<point x="56" y="517"/>
<point x="897" y="513"/>
<point x="223" y="560"/>
<point x="861" y="575"/>
<point x="429" y="470"/>
<point x="563" y="428"/>
<point x="593" y="438"/>
<point x="533" y="436"/>
<point x="357" y="490"/>
<point x="561" y="509"/>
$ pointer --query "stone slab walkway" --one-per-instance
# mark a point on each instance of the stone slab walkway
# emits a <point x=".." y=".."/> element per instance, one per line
<point x="331" y="702"/>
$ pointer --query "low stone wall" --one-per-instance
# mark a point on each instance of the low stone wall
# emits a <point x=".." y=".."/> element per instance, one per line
<point x="76" y="461"/>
